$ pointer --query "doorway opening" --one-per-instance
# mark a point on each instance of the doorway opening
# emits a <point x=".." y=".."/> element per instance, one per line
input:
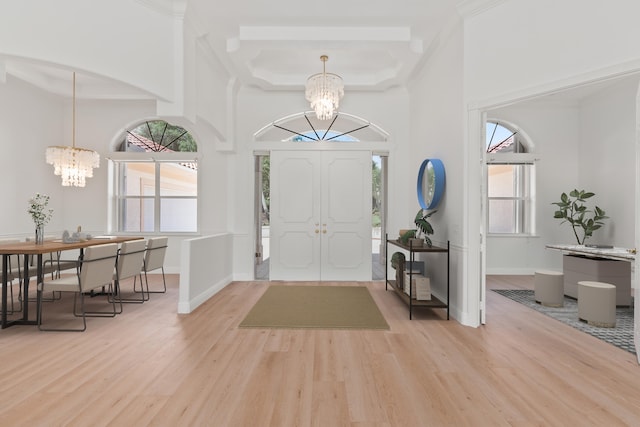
<point x="262" y="192"/>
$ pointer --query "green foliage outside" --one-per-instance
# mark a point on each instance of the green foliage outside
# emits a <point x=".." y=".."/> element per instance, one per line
<point x="376" y="194"/>
<point x="266" y="189"/>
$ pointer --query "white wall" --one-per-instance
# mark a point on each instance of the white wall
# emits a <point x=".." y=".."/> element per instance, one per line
<point x="528" y="46"/>
<point x="29" y="121"/>
<point x="119" y="39"/>
<point x="607" y="159"/>
<point x="437" y="131"/>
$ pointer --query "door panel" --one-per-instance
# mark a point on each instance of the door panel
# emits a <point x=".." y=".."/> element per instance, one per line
<point x="320" y="215"/>
<point x="295" y="213"/>
<point x="346" y="211"/>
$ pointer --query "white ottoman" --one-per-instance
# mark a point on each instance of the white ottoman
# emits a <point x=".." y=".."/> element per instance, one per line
<point x="597" y="303"/>
<point x="549" y="288"/>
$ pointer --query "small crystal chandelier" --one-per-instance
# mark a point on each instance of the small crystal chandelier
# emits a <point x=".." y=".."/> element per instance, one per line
<point x="73" y="164"/>
<point x="324" y="91"/>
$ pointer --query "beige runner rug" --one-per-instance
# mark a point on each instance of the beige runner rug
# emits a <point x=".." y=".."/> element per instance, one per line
<point x="315" y="307"/>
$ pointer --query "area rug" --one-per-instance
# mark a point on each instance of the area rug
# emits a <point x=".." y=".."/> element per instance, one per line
<point x="315" y="307"/>
<point x="621" y="336"/>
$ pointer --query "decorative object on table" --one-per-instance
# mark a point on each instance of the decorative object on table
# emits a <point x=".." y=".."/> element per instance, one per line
<point x="398" y="262"/>
<point x="323" y="91"/>
<point x="572" y="209"/>
<point x="405" y="235"/>
<point x="73" y="164"/>
<point x="76" y="236"/>
<point x="40" y="213"/>
<point x="424" y="227"/>
<point x="431" y="180"/>
<point x="420" y="286"/>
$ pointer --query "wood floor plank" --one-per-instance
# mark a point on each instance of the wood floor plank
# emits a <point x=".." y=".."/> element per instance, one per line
<point x="152" y="366"/>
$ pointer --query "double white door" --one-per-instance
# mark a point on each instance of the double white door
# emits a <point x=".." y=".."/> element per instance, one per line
<point x="320" y="215"/>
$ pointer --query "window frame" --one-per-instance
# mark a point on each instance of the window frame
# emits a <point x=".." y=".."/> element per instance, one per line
<point x="116" y="198"/>
<point x="524" y="211"/>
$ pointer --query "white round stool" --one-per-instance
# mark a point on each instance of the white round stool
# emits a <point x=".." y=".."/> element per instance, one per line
<point x="597" y="303"/>
<point x="549" y="288"/>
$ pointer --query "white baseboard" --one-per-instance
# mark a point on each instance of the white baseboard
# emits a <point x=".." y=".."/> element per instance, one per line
<point x="185" y="307"/>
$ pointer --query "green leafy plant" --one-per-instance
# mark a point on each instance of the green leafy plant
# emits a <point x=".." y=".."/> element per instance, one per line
<point x="410" y="234"/>
<point x="572" y="209"/>
<point x="38" y="209"/>
<point x="423" y="224"/>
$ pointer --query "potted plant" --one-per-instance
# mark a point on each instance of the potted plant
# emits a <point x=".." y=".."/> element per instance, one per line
<point x="572" y="209"/>
<point x="420" y="234"/>
<point x="424" y="227"/>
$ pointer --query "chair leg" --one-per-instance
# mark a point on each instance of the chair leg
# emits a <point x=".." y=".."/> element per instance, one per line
<point x="84" y="319"/>
<point x="164" y="284"/>
<point x="110" y="299"/>
<point x="140" y="300"/>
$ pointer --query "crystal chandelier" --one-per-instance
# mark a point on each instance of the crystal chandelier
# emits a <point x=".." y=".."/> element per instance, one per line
<point x="324" y="91"/>
<point x="73" y="164"/>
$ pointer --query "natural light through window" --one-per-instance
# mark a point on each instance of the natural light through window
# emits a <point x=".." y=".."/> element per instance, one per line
<point x="156" y="195"/>
<point x="510" y="182"/>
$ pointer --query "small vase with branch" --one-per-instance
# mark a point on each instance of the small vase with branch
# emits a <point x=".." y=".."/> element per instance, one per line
<point x="40" y="213"/>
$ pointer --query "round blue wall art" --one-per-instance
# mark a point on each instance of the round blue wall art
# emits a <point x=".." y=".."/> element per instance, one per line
<point x="430" y="183"/>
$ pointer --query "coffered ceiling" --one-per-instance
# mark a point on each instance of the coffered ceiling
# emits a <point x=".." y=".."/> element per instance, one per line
<point x="372" y="44"/>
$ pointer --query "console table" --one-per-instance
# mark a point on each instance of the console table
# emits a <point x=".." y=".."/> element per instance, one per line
<point x="410" y="299"/>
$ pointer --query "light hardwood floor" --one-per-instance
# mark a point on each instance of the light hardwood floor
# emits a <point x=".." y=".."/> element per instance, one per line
<point x="151" y="366"/>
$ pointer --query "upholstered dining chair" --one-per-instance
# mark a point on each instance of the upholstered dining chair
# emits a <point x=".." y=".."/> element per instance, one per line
<point x="153" y="260"/>
<point x="129" y="264"/>
<point x="94" y="270"/>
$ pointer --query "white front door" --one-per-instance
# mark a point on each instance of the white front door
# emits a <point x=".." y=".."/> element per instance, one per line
<point x="320" y="215"/>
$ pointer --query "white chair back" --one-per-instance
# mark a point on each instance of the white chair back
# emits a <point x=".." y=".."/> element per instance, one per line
<point x="130" y="259"/>
<point x="97" y="266"/>
<point x="156" y="250"/>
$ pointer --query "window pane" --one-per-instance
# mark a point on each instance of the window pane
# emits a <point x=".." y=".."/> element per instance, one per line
<point x="137" y="215"/>
<point x="178" y="215"/>
<point x="138" y="179"/>
<point x="178" y="179"/>
<point x="502" y="217"/>
<point x="502" y="180"/>
<point x="506" y="216"/>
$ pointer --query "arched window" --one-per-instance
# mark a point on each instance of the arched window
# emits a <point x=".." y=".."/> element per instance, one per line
<point x="510" y="180"/>
<point x="155" y="180"/>
<point x="305" y="127"/>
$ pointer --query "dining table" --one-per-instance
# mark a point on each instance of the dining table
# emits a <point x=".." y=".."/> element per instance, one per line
<point x="31" y="248"/>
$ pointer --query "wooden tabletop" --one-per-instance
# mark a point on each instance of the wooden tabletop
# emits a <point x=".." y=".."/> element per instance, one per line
<point x="31" y="248"/>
